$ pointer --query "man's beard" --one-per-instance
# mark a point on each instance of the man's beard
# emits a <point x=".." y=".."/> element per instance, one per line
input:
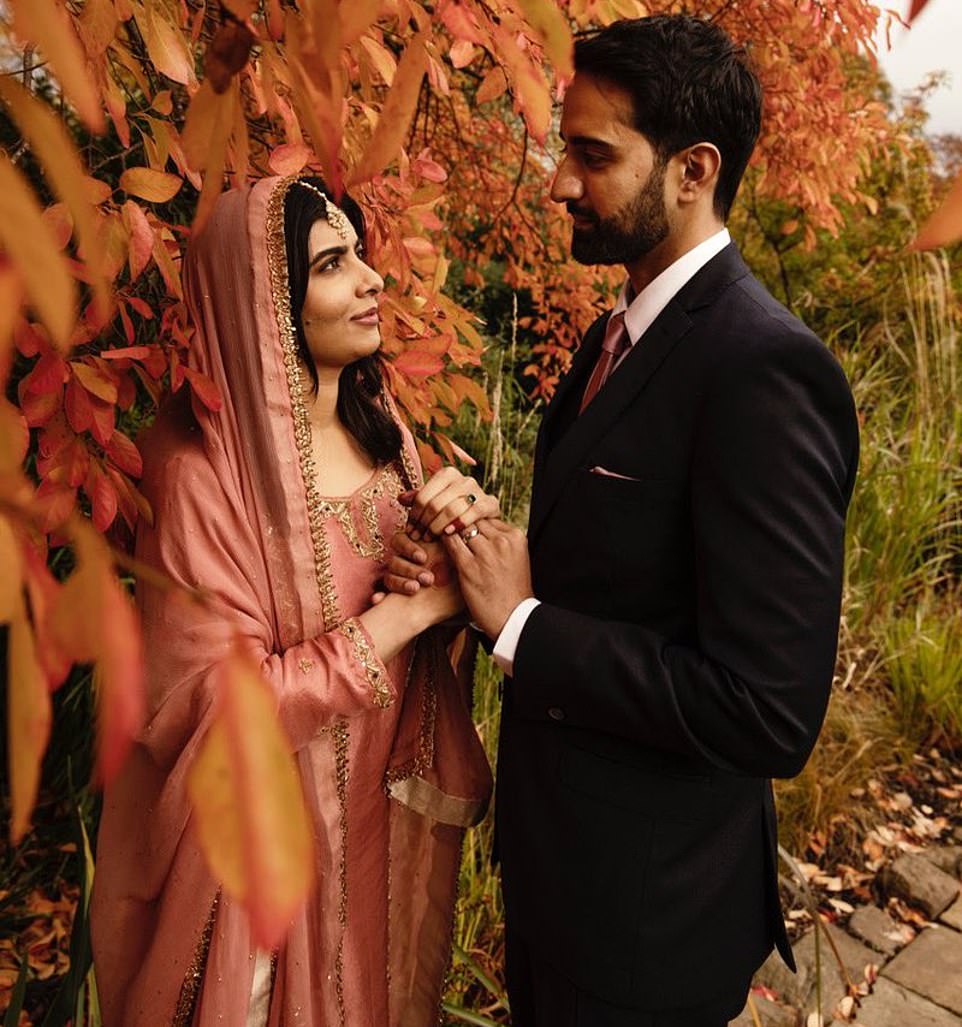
<point x="631" y="233"/>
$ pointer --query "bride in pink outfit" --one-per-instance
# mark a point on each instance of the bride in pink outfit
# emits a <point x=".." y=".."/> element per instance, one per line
<point x="281" y="505"/>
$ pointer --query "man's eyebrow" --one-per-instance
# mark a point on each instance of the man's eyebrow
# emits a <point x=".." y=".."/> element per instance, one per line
<point x="330" y="251"/>
<point x="592" y="141"/>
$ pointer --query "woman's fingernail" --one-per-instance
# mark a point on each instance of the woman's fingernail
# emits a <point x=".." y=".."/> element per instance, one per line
<point x="449" y="530"/>
<point x="415" y="536"/>
<point x="411" y="587"/>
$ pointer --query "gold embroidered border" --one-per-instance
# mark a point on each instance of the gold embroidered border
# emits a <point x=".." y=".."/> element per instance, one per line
<point x="424" y="757"/>
<point x="341" y="740"/>
<point x="376" y="677"/>
<point x="277" y="262"/>
<point x="190" y="989"/>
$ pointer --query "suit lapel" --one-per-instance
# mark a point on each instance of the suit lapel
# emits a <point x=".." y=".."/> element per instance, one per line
<point x="554" y="464"/>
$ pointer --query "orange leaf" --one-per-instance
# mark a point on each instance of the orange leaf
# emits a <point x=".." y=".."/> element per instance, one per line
<point x="53" y="147"/>
<point x="289" y="158"/>
<point x="155" y="186"/>
<point x="945" y="225"/>
<point x="43" y="590"/>
<point x="140" y="237"/>
<point x="95" y="381"/>
<point x="248" y="806"/>
<point x="97" y="26"/>
<point x="356" y="18"/>
<point x="33" y="251"/>
<point x="552" y="31"/>
<point x="204" y="139"/>
<point x="227" y="53"/>
<point x="492" y="85"/>
<point x="201" y="117"/>
<point x="461" y="53"/>
<point x="417" y="364"/>
<point x="28" y="722"/>
<point x="103" y="497"/>
<point x="47" y="24"/>
<point x="530" y="87"/>
<point x="10" y="599"/>
<point x="166" y="46"/>
<point x="396" y="114"/>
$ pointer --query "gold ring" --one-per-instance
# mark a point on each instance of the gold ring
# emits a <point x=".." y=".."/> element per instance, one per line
<point x="470" y="533"/>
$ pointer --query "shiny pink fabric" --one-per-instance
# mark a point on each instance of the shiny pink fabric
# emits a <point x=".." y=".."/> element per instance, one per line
<point x="230" y="506"/>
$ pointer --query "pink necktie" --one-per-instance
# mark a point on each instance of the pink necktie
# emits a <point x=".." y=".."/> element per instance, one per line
<point x="615" y="343"/>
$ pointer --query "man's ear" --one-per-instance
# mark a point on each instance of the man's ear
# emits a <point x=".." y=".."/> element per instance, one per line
<point x="701" y="165"/>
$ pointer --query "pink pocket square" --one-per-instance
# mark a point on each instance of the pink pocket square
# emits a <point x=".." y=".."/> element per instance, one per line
<point x="605" y="473"/>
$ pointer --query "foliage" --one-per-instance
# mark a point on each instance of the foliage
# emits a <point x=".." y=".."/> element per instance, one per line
<point x="124" y="120"/>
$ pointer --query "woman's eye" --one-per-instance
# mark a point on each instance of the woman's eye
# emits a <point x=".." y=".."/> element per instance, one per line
<point x="331" y="265"/>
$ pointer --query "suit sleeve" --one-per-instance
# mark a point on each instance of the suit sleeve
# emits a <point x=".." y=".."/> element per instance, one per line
<point x="772" y="469"/>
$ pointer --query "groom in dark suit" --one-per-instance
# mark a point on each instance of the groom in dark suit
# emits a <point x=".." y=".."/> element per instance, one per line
<point x="668" y="626"/>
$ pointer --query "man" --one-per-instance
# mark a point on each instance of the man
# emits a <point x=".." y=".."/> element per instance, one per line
<point x="669" y="626"/>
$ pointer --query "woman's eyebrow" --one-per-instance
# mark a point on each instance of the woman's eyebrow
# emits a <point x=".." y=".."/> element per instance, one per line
<point x="330" y="251"/>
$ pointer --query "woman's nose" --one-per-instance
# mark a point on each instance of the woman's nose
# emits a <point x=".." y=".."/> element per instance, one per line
<point x="371" y="283"/>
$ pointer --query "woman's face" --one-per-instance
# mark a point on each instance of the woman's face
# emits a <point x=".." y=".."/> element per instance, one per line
<point x="340" y="315"/>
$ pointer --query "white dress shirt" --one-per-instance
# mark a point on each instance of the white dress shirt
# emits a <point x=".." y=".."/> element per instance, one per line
<point x="641" y="312"/>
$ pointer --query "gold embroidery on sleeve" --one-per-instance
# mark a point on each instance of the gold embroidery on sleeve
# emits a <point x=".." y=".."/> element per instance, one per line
<point x="364" y="655"/>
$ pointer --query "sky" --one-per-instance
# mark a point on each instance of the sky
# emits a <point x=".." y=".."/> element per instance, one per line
<point x="933" y="43"/>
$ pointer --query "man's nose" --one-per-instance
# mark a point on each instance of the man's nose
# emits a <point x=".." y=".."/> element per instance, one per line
<point x="567" y="184"/>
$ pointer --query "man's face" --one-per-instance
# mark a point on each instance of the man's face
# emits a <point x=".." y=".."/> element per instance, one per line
<point x="610" y="177"/>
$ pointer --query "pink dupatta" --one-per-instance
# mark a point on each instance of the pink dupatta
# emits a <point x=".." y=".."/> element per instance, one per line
<point x="237" y="513"/>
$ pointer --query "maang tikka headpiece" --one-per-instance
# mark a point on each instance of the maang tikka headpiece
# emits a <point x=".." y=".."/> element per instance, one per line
<point x="336" y="217"/>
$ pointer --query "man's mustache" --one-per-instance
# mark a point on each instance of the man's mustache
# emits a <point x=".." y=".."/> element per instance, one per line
<point x="577" y="212"/>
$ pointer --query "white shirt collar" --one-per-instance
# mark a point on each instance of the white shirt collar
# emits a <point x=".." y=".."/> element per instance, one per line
<point x="659" y="292"/>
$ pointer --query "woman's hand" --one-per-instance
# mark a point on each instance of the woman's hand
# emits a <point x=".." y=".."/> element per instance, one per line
<point x="440" y="593"/>
<point x="448" y="502"/>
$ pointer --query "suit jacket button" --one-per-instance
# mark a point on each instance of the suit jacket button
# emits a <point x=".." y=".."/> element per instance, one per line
<point x="556" y="713"/>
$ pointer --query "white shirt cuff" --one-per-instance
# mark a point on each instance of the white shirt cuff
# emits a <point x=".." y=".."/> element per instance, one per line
<point x="507" y="642"/>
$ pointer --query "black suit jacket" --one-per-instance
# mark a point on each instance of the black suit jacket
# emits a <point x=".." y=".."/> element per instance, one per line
<point x="683" y="652"/>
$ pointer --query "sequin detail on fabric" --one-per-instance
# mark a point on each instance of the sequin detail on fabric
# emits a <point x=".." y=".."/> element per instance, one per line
<point x="386" y="483"/>
<point x="190" y="989"/>
<point x="341" y="768"/>
<point x="364" y="655"/>
<point x="424" y="757"/>
<point x="277" y="262"/>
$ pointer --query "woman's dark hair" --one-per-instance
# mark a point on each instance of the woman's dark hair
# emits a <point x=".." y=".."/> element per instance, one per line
<point x="688" y="83"/>
<point x="359" y="404"/>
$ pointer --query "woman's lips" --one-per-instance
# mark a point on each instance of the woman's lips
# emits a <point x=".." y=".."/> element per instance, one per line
<point x="369" y="317"/>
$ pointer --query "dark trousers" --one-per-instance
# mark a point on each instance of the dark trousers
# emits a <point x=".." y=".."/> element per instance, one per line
<point x="542" y="997"/>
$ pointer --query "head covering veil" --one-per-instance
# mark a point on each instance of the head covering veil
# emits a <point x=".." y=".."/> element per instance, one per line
<point x="237" y="513"/>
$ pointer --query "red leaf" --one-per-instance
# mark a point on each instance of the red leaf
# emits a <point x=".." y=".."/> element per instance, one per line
<point x="102" y="426"/>
<point x="125" y="454"/>
<point x="47" y="375"/>
<point x="417" y="364"/>
<point x="42" y="590"/>
<point x="39" y="408"/>
<point x="78" y="406"/>
<point x="103" y="497"/>
<point x="54" y="503"/>
<point x="204" y="389"/>
<point x="95" y="381"/>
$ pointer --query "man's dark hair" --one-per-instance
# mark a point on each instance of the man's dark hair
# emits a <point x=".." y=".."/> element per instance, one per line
<point x="688" y="83"/>
<point x="359" y="404"/>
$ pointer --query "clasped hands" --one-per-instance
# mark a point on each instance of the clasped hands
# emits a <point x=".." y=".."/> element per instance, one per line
<point x="455" y="529"/>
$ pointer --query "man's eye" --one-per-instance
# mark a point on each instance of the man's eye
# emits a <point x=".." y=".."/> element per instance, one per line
<point x="593" y="160"/>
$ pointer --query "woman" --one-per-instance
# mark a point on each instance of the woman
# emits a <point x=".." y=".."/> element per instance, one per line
<point x="279" y="505"/>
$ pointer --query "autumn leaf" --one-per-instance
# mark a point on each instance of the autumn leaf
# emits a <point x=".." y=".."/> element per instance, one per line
<point x="140" y="238"/>
<point x="204" y="389"/>
<point x="28" y="721"/>
<point x="289" y="158"/>
<point x="166" y="45"/>
<point x="249" y="810"/>
<point x="93" y="620"/>
<point x="33" y="251"/>
<point x="396" y="114"/>
<point x="528" y="84"/>
<point x="418" y="364"/>
<point x="551" y="29"/>
<point x="151" y="185"/>
<point x="356" y="17"/>
<point x="916" y="8"/>
<point x="492" y="86"/>
<point x="227" y="53"/>
<point x="10" y="601"/>
<point x="945" y="225"/>
<point x="46" y="23"/>
<point x="54" y="149"/>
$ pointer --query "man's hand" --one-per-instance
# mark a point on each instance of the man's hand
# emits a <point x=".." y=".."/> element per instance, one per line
<point x="494" y="571"/>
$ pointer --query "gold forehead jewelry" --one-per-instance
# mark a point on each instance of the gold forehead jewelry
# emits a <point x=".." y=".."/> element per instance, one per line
<point x="336" y="217"/>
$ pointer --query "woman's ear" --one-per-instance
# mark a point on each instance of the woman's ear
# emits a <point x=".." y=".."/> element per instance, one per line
<point x="702" y="164"/>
